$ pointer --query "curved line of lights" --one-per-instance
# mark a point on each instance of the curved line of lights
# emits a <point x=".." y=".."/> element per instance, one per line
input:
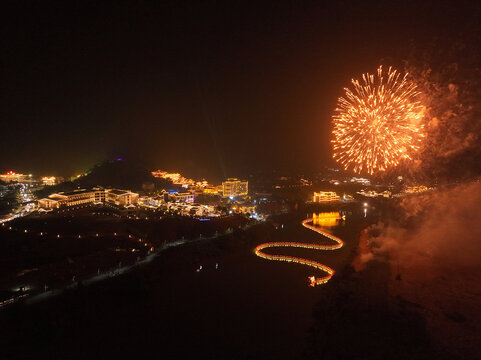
<point x="313" y="280"/>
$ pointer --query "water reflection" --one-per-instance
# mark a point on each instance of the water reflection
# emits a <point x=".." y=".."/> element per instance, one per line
<point x="327" y="219"/>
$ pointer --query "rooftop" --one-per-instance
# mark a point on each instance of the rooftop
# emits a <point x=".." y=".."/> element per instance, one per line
<point x="119" y="192"/>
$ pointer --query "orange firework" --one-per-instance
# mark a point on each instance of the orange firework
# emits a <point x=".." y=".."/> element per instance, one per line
<point x="378" y="123"/>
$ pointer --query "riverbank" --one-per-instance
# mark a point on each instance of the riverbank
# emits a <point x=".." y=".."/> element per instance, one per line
<point x="237" y="306"/>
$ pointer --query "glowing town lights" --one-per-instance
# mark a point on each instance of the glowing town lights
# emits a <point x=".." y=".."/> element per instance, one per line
<point x="325" y="196"/>
<point x="49" y="180"/>
<point x="378" y="123"/>
<point x="176" y="178"/>
<point x="313" y="280"/>
<point x="12" y="176"/>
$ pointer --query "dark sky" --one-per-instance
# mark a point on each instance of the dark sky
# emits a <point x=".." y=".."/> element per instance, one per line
<point x="203" y="87"/>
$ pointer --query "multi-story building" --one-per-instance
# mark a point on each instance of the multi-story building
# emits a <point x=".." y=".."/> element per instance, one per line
<point x="187" y="197"/>
<point x="121" y="197"/>
<point x="212" y="190"/>
<point x="83" y="196"/>
<point x="99" y="196"/>
<point x="325" y="196"/>
<point x="52" y="202"/>
<point x="235" y="187"/>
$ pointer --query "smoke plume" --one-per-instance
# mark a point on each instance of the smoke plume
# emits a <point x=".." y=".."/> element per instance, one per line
<point x="449" y="79"/>
<point x="439" y="230"/>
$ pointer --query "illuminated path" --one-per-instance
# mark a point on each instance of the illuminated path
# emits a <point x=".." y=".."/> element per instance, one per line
<point x="314" y="280"/>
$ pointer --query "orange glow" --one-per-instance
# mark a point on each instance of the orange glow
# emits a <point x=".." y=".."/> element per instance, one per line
<point x="325" y="196"/>
<point x="313" y="280"/>
<point x="326" y="219"/>
<point x="378" y="123"/>
<point x="176" y="178"/>
<point x="49" y="180"/>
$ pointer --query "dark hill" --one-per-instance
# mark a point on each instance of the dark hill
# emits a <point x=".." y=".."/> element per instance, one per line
<point x="124" y="174"/>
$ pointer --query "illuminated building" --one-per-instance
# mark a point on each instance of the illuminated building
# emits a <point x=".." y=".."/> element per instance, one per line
<point x="121" y="197"/>
<point x="12" y="176"/>
<point x="325" y="196"/>
<point x="372" y="193"/>
<point x="49" y="180"/>
<point x="202" y="184"/>
<point x="360" y="180"/>
<point x="213" y="190"/>
<point x="187" y="197"/>
<point x="235" y="187"/>
<point x="176" y="178"/>
<point x="83" y="196"/>
<point x="416" y="189"/>
<point x="244" y="209"/>
<point x="50" y="202"/>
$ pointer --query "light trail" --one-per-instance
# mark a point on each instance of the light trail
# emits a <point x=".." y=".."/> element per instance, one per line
<point x="313" y="280"/>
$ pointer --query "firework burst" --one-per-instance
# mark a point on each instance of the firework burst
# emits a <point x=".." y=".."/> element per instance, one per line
<point x="377" y="123"/>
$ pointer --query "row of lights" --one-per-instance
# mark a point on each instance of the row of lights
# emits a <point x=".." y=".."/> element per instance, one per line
<point x="313" y="280"/>
<point x="58" y="235"/>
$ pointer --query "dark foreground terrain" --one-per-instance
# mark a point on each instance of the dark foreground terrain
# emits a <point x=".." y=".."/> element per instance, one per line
<point x="248" y="308"/>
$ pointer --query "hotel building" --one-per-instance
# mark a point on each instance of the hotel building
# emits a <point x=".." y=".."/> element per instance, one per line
<point x="235" y="187"/>
<point x="325" y="196"/>
<point x="121" y="198"/>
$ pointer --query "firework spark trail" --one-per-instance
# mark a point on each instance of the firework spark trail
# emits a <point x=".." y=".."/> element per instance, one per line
<point x="378" y="123"/>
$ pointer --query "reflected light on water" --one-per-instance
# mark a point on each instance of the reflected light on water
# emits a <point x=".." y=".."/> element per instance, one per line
<point x="327" y="219"/>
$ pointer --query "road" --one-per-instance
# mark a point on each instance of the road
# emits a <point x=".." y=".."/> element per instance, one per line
<point x="25" y="201"/>
<point x="30" y="299"/>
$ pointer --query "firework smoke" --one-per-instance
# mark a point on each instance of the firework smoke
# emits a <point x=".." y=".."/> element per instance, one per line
<point x="438" y="229"/>
<point x="432" y="243"/>
<point x="449" y="81"/>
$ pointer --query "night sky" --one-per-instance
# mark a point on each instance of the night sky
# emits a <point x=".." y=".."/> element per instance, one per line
<point x="208" y="88"/>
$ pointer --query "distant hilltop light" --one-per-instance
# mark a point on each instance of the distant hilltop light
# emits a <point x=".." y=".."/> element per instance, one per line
<point x="119" y="159"/>
<point x="176" y="178"/>
<point x="49" y="180"/>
